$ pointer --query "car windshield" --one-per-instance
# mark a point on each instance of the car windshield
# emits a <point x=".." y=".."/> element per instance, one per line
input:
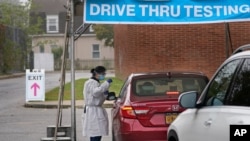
<point x="167" y="86"/>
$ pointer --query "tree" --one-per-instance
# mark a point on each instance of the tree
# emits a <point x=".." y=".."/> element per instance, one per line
<point x="105" y="32"/>
<point x="15" y="17"/>
<point x="9" y="53"/>
<point x="57" y="53"/>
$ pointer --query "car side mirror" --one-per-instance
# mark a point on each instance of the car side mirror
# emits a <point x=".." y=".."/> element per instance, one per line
<point x="188" y="99"/>
<point x="111" y="96"/>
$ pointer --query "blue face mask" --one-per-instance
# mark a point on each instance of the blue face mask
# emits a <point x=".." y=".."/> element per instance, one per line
<point x="101" y="77"/>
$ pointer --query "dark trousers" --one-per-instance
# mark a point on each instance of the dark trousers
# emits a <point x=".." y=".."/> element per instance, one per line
<point x="97" y="138"/>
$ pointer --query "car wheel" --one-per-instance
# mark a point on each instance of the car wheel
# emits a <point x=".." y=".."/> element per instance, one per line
<point x="172" y="136"/>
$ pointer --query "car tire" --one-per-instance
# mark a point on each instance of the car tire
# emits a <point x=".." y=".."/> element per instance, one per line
<point x="172" y="136"/>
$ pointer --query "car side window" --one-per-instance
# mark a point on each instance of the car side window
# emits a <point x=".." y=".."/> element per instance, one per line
<point x="240" y="95"/>
<point x="218" y="87"/>
<point x="124" y="89"/>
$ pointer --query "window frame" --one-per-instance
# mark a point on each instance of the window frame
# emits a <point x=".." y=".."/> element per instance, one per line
<point x="94" y="51"/>
<point x="48" y="24"/>
<point x="228" y="102"/>
<point x="204" y="97"/>
<point x="176" y="81"/>
<point x="41" y="49"/>
<point x="123" y="90"/>
<point x="91" y="29"/>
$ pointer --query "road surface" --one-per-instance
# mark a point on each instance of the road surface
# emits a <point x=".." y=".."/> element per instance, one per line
<point x="18" y="123"/>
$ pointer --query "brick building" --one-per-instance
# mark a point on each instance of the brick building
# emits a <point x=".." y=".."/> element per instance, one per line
<point x="194" y="47"/>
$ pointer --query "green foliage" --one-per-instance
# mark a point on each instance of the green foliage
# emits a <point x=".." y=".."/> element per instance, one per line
<point x="53" y="94"/>
<point x="17" y="17"/>
<point x="57" y="53"/>
<point x="8" y="55"/>
<point x="12" y="14"/>
<point x="105" y="32"/>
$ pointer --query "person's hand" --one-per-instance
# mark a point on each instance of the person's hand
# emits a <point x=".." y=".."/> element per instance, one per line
<point x="106" y="93"/>
<point x="109" y="80"/>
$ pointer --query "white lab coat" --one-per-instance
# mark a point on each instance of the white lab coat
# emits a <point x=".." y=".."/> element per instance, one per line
<point x="95" y="119"/>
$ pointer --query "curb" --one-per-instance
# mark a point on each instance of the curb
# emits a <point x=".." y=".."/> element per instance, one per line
<point x="51" y="104"/>
<point x="41" y="105"/>
<point x="11" y="76"/>
<point x="54" y="105"/>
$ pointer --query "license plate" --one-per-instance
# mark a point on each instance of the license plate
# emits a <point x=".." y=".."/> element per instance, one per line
<point x="170" y="117"/>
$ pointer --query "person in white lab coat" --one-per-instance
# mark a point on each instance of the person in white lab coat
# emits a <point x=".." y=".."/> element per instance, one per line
<point x="95" y="117"/>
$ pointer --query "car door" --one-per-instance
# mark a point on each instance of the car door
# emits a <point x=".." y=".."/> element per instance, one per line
<point x="116" y="108"/>
<point x="206" y="123"/>
<point x="237" y="111"/>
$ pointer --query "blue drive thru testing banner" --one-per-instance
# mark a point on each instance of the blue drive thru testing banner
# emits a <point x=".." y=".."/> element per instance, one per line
<point x="165" y="11"/>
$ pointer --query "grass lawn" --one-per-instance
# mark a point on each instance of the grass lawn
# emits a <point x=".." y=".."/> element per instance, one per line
<point x="53" y="94"/>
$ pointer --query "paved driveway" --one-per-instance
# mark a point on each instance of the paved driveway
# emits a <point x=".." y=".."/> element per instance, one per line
<point x="18" y="123"/>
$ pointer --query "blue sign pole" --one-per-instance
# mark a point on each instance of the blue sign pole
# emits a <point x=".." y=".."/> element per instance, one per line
<point x="165" y="11"/>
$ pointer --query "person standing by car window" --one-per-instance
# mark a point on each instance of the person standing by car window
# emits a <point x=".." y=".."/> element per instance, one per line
<point x="95" y="117"/>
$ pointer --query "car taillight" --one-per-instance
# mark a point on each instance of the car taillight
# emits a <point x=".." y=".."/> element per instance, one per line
<point x="127" y="112"/>
<point x="172" y="93"/>
<point x="134" y="112"/>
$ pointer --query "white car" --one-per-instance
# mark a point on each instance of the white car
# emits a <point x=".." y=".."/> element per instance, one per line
<point x="225" y="101"/>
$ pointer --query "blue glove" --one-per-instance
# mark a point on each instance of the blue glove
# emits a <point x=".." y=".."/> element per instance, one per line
<point x="110" y="80"/>
<point x="106" y="93"/>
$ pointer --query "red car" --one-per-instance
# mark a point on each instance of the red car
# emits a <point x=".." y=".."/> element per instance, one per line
<point x="148" y="104"/>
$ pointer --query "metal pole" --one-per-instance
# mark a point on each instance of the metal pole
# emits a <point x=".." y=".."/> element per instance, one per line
<point x="62" y="78"/>
<point x="73" y="118"/>
<point x="226" y="40"/>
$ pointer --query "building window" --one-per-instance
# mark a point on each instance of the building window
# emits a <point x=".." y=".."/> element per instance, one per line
<point x="41" y="48"/>
<point x="91" y="29"/>
<point x="96" y="51"/>
<point x="52" y="23"/>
